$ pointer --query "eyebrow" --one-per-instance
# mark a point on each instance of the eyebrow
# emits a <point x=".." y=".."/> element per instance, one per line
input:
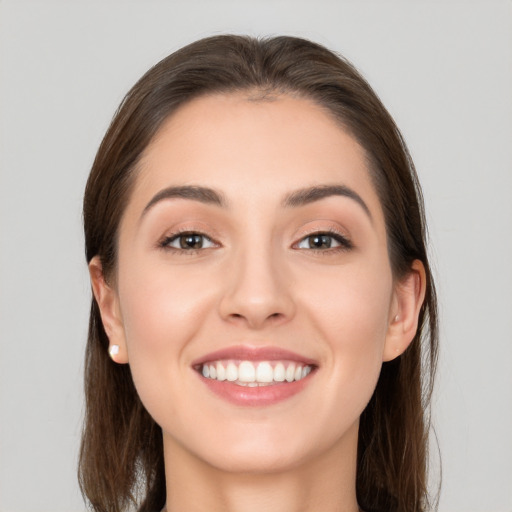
<point x="202" y="194"/>
<point x="295" y="199"/>
<point x="311" y="194"/>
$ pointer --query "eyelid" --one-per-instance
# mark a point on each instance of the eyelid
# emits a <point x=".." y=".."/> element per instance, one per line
<point x="342" y="238"/>
<point x="164" y="241"/>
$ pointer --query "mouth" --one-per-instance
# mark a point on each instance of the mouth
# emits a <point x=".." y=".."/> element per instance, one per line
<point x="255" y="376"/>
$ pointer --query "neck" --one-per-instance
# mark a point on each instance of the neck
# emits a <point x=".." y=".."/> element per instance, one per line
<point x="325" y="483"/>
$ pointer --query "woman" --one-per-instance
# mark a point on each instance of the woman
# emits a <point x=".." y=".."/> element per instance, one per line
<point x="256" y="244"/>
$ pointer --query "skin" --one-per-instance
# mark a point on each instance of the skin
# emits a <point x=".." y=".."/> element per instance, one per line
<point x="257" y="283"/>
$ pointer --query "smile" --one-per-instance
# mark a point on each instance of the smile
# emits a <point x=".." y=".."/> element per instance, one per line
<point x="253" y="374"/>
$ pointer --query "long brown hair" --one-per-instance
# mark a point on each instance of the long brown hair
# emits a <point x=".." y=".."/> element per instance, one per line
<point x="121" y="457"/>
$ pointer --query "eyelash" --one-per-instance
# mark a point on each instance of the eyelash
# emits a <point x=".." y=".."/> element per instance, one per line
<point x="344" y="243"/>
<point x="164" y="243"/>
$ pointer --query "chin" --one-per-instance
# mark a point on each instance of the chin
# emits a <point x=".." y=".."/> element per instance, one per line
<point x="274" y="450"/>
<point x="265" y="461"/>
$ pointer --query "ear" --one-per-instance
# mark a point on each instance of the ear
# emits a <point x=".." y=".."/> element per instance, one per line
<point x="108" y="303"/>
<point x="408" y="298"/>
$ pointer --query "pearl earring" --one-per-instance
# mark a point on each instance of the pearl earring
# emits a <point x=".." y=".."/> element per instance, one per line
<point x="396" y="318"/>
<point x="113" y="350"/>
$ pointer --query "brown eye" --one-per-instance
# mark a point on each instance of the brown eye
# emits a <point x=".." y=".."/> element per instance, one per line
<point x="192" y="241"/>
<point x="319" y="241"/>
<point x="324" y="241"/>
<point x="188" y="242"/>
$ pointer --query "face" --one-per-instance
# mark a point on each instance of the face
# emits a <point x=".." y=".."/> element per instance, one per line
<point x="254" y="299"/>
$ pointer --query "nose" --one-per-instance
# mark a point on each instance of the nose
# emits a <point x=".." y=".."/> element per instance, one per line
<point x="258" y="291"/>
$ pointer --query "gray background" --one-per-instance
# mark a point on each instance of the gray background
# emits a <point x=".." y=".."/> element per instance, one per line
<point x="444" y="70"/>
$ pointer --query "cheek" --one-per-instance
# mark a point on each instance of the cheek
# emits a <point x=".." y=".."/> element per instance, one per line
<point x="160" y="302"/>
<point x="162" y="313"/>
<point x="353" y="304"/>
<point x="352" y="313"/>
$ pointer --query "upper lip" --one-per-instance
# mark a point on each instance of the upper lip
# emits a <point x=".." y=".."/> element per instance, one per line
<point x="250" y="353"/>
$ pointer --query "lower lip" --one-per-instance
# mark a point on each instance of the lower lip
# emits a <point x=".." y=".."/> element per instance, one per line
<point x="258" y="396"/>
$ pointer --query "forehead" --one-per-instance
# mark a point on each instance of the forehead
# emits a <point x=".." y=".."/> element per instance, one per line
<point x="254" y="150"/>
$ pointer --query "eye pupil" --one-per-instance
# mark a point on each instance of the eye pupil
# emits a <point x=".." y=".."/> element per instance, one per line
<point x="320" y="241"/>
<point x="191" y="241"/>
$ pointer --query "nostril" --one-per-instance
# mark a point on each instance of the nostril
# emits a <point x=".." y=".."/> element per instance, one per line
<point x="256" y="307"/>
<point x="254" y="319"/>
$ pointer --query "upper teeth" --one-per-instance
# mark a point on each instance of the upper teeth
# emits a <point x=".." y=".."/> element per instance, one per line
<point x="247" y="373"/>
